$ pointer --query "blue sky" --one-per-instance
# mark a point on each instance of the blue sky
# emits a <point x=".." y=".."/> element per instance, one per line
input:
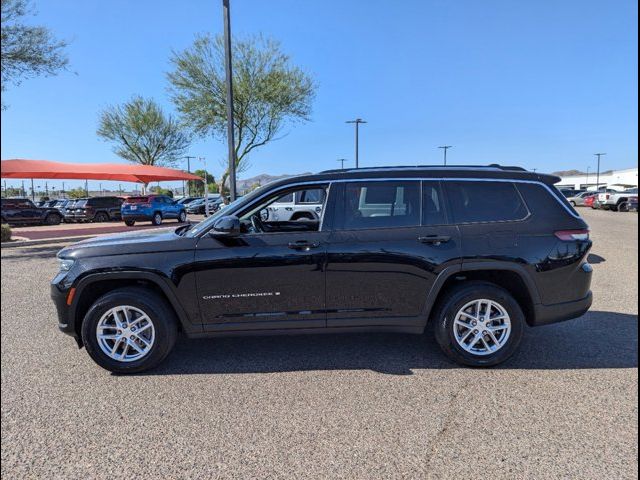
<point x="540" y="83"/>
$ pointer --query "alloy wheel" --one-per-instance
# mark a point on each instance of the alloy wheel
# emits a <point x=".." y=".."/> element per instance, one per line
<point x="482" y="327"/>
<point x="125" y="333"/>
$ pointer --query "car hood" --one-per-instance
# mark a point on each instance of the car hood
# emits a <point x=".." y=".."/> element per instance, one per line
<point x="145" y="241"/>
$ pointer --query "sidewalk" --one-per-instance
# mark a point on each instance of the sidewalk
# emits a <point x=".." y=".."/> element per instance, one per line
<point x="79" y="231"/>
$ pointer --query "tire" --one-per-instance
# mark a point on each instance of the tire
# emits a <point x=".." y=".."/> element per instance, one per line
<point x="129" y="223"/>
<point x="52" y="219"/>
<point x="156" y="219"/>
<point x="623" y="207"/>
<point x="574" y="204"/>
<point x="160" y="315"/>
<point x="101" y="217"/>
<point x="182" y="218"/>
<point x="446" y="329"/>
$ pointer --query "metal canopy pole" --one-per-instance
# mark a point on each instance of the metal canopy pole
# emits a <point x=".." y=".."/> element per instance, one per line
<point x="229" y="85"/>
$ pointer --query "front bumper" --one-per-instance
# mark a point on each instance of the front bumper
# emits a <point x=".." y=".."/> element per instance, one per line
<point x="66" y="323"/>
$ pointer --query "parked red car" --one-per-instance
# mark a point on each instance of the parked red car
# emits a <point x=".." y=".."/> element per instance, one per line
<point x="589" y="201"/>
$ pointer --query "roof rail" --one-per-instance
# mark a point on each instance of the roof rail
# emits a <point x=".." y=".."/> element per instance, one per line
<point x="493" y="166"/>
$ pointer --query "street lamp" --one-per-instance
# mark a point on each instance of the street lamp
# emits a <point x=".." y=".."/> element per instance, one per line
<point x="206" y="187"/>
<point x="357" y="123"/>
<point x="445" y="148"/>
<point x="588" y="168"/>
<point x="598" y="174"/>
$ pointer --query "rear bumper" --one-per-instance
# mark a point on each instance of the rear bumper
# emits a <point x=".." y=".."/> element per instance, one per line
<point x="138" y="217"/>
<point x="548" y="314"/>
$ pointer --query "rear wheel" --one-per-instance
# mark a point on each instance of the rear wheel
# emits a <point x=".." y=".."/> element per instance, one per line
<point x="573" y="204"/>
<point x="129" y="330"/>
<point x="156" y="219"/>
<point x="101" y="217"/>
<point x="182" y="217"/>
<point x="479" y="324"/>
<point x="53" y="219"/>
<point x="129" y="223"/>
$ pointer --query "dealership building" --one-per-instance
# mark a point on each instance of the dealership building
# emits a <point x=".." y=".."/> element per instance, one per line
<point x="616" y="179"/>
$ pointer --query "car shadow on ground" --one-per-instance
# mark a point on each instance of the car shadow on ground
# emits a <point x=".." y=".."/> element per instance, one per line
<point x="594" y="259"/>
<point x="20" y="253"/>
<point x="596" y="340"/>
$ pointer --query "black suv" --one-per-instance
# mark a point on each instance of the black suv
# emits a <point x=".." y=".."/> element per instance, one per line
<point x="94" y="209"/>
<point x="480" y="252"/>
<point x="22" y="211"/>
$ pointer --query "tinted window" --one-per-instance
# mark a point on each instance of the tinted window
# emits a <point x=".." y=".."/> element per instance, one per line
<point x="381" y="205"/>
<point x="433" y="212"/>
<point x="315" y="195"/>
<point x="288" y="198"/>
<point x="485" y="202"/>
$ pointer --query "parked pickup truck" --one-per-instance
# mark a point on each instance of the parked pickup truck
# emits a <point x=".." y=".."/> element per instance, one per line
<point x="616" y="202"/>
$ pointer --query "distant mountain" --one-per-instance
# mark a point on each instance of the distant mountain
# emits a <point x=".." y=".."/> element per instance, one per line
<point x="577" y="173"/>
<point x="262" y="179"/>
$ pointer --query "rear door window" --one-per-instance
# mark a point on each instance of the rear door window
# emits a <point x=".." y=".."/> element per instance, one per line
<point x="475" y="202"/>
<point x="433" y="208"/>
<point x="385" y="204"/>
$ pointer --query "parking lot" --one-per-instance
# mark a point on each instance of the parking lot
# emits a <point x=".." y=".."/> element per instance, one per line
<point x="353" y="406"/>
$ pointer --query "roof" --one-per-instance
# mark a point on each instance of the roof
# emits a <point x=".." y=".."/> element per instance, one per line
<point x="18" y="168"/>
<point x="425" y="171"/>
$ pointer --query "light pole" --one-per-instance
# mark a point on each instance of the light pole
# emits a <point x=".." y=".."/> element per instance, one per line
<point x="342" y="160"/>
<point x="188" y="158"/>
<point x="445" y="148"/>
<point x="598" y="174"/>
<point x="588" y="168"/>
<point x="357" y="123"/>
<point x="229" y="85"/>
<point x="206" y="188"/>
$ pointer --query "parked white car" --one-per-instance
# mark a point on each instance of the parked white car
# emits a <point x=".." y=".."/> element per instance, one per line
<point x="301" y="205"/>
<point x="616" y="201"/>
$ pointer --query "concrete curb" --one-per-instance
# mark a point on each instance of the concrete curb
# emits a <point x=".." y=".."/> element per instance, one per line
<point x="45" y="241"/>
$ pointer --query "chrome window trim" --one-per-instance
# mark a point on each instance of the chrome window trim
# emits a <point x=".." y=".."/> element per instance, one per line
<point x="420" y="178"/>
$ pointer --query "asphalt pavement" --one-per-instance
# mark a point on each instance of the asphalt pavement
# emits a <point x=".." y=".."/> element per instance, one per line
<point x="353" y="406"/>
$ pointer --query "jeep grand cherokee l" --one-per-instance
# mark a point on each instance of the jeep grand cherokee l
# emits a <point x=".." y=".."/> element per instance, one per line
<point x="480" y="252"/>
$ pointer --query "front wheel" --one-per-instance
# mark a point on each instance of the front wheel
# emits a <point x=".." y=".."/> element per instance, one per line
<point x="129" y="330"/>
<point x="182" y="217"/>
<point x="53" y="219"/>
<point x="479" y="324"/>
<point x="156" y="219"/>
<point x="623" y="207"/>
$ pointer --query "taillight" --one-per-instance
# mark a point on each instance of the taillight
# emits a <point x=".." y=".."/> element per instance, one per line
<point x="572" y="235"/>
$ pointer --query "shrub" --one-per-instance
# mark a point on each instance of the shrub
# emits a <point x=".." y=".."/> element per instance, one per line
<point x="6" y="233"/>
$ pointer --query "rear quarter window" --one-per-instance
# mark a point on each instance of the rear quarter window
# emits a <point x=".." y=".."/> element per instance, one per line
<point x="480" y="202"/>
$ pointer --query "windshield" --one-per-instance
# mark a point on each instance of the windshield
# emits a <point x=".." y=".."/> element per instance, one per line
<point x="80" y="203"/>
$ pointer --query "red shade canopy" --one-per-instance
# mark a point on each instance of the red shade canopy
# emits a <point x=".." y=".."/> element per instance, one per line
<point x="92" y="171"/>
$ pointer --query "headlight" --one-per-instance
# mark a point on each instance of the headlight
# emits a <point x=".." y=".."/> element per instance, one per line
<point x="66" y="264"/>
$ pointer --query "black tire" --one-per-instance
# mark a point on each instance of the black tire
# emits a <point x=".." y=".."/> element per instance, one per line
<point x="573" y="204"/>
<point x="623" y="207"/>
<point x="156" y="219"/>
<point x="158" y="310"/>
<point x="182" y="217"/>
<point x="101" y="217"/>
<point x="129" y="223"/>
<point x="458" y="297"/>
<point x="52" y="219"/>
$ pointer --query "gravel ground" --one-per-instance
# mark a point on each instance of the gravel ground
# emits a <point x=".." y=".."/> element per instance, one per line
<point x="353" y="406"/>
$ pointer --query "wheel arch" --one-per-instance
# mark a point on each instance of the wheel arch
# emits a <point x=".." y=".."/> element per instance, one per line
<point x="512" y="278"/>
<point x="93" y="286"/>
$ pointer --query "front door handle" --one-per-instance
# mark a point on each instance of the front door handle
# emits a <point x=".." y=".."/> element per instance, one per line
<point x="435" y="239"/>
<point x="303" y="245"/>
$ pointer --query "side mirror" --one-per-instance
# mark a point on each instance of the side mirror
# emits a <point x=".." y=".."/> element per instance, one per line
<point x="228" y="226"/>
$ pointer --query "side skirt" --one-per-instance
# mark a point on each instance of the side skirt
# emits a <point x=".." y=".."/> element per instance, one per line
<point x="308" y="331"/>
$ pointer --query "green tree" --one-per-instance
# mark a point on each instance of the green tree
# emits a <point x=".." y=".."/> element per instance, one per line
<point x="76" y="193"/>
<point x="161" y="191"/>
<point x="197" y="188"/>
<point x="142" y="133"/>
<point x="26" y="50"/>
<point x="269" y="92"/>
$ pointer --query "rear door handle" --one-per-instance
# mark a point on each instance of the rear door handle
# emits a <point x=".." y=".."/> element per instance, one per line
<point x="434" y="239"/>
<point x="303" y="245"/>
